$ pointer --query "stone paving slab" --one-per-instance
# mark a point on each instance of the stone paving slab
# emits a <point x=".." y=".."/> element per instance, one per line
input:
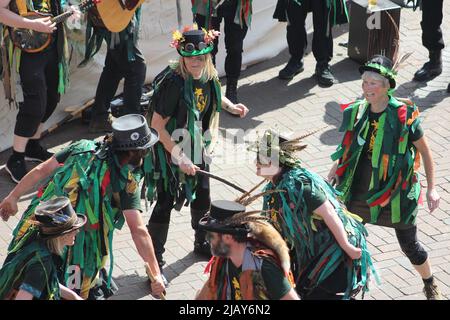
<point x="298" y="106"/>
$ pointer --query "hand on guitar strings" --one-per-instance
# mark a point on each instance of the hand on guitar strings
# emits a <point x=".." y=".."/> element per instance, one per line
<point x="43" y="25"/>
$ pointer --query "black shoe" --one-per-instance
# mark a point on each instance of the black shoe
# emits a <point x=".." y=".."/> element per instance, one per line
<point x="448" y="88"/>
<point x="231" y="91"/>
<point x="100" y="125"/>
<point x="428" y="72"/>
<point x="16" y="169"/>
<point x="324" y="75"/>
<point x="432" y="292"/>
<point x="292" y="68"/>
<point x="37" y="154"/>
<point x="430" y="69"/>
<point x="202" y="248"/>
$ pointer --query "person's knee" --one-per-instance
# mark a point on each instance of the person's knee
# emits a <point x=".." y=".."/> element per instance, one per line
<point x="414" y="252"/>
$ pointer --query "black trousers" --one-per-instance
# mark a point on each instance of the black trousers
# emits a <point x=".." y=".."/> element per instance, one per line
<point x="322" y="45"/>
<point x="234" y="36"/>
<point x="431" y="25"/>
<point x="116" y="68"/>
<point x="166" y="202"/>
<point x="332" y="288"/>
<point x="39" y="77"/>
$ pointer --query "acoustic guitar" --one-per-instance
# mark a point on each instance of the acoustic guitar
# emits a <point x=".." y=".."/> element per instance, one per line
<point x="34" y="41"/>
<point x="117" y="14"/>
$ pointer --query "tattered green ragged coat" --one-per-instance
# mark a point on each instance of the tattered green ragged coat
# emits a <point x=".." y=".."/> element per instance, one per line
<point x="168" y="175"/>
<point x="312" y="244"/>
<point x="90" y="178"/>
<point x="96" y="35"/>
<point x="207" y="9"/>
<point x="12" y="272"/>
<point x="10" y="55"/>
<point x="395" y="160"/>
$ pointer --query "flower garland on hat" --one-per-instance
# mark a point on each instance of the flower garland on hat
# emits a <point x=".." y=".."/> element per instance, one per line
<point x="179" y="41"/>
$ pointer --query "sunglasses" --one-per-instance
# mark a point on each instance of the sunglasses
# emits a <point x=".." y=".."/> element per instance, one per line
<point x="190" y="47"/>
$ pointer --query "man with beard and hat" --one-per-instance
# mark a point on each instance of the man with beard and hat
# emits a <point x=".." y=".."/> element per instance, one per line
<point x="328" y="243"/>
<point x="32" y="271"/>
<point x="101" y="179"/>
<point x="251" y="260"/>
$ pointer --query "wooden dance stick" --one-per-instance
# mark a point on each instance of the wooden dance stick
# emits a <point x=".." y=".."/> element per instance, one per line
<point x="152" y="279"/>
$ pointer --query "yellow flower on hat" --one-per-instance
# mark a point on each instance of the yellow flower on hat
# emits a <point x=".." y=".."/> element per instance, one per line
<point x="177" y="35"/>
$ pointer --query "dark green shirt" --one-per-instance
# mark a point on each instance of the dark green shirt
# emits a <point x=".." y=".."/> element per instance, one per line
<point x="36" y="275"/>
<point x="276" y="283"/>
<point x="315" y="199"/>
<point x="169" y="99"/>
<point x="127" y="201"/>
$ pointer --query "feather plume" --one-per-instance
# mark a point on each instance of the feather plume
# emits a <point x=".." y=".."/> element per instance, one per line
<point x="250" y="199"/>
<point x="399" y="62"/>
<point x="245" y="217"/>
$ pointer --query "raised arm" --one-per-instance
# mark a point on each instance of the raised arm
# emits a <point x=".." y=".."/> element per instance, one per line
<point x="8" y="207"/>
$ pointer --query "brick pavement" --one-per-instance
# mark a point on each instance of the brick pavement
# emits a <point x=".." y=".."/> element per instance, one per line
<point x="297" y="106"/>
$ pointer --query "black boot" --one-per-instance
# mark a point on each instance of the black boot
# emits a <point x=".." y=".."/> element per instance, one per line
<point x="201" y="246"/>
<point x="293" y="67"/>
<point x="448" y="88"/>
<point x="231" y="91"/>
<point x="324" y="75"/>
<point x="430" y="69"/>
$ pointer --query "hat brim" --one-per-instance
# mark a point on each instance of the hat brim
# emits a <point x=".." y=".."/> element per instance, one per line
<point x="153" y="138"/>
<point x="80" y="222"/>
<point x="207" y="225"/>
<point x="362" y="69"/>
<point x="194" y="53"/>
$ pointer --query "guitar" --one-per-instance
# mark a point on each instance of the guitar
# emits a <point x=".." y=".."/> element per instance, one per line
<point x="33" y="41"/>
<point x="117" y="14"/>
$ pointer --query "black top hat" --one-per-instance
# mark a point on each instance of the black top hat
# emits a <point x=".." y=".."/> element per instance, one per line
<point x="216" y="221"/>
<point x="381" y="65"/>
<point x="131" y="132"/>
<point x="56" y="217"/>
<point x="194" y="44"/>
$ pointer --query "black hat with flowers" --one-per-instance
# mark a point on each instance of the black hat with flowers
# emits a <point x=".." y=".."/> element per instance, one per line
<point x="193" y="42"/>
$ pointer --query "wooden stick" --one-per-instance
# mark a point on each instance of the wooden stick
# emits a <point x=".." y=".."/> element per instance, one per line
<point x="208" y="174"/>
<point x="152" y="279"/>
<point x="249" y="192"/>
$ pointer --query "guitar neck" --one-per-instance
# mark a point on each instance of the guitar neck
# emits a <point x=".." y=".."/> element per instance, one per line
<point x="62" y="17"/>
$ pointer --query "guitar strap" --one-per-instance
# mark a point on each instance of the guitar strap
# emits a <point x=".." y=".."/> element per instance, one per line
<point x="22" y="7"/>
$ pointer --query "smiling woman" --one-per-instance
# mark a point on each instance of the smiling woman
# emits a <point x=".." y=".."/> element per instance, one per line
<point x="378" y="162"/>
